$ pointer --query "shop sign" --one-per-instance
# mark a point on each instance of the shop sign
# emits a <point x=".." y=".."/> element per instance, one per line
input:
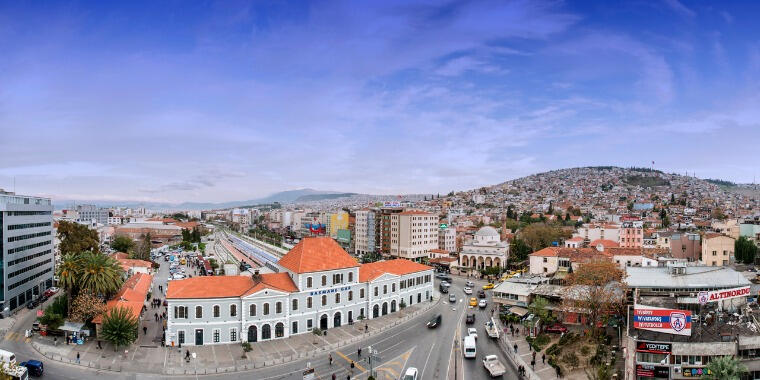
<point x="648" y="370"/>
<point x="695" y="372"/>
<point x="653" y="348"/>
<point x="724" y="294"/>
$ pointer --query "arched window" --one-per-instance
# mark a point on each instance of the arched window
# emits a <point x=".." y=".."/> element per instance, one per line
<point x="278" y="307"/>
<point x="324" y="280"/>
<point x="266" y="332"/>
<point x="337" y="297"/>
<point x="198" y="312"/>
<point x="350" y="295"/>
<point x="361" y="293"/>
<point x="216" y="311"/>
<point x="266" y="309"/>
<point x="279" y="330"/>
<point x="252" y="310"/>
<point x="350" y="276"/>
<point x="324" y="300"/>
<point x="233" y="310"/>
<point x="308" y="303"/>
<point x="308" y="282"/>
<point x="294" y="305"/>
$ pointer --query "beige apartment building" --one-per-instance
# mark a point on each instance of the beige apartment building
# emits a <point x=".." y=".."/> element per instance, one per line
<point x="413" y="234"/>
<point x="717" y="250"/>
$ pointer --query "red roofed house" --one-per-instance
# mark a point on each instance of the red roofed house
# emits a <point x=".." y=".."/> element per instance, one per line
<point x="133" y="294"/>
<point x="319" y="285"/>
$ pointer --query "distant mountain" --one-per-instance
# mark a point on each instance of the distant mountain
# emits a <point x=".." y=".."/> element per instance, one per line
<point x="290" y="196"/>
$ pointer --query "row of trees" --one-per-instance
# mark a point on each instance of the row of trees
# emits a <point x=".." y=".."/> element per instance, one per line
<point x="745" y="250"/>
<point x="141" y="250"/>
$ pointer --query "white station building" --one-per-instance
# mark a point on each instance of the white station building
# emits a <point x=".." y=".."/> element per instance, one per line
<point x="319" y="286"/>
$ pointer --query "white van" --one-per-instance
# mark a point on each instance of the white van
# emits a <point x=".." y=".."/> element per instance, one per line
<point x="470" y="350"/>
<point x="7" y="357"/>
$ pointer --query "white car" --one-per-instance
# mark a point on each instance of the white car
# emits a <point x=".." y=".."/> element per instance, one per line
<point x="472" y="332"/>
<point x="482" y="304"/>
<point x="467" y="290"/>
<point x="410" y="374"/>
<point x="469" y="284"/>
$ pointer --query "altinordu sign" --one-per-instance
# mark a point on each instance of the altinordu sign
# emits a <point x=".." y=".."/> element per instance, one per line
<point x="724" y="294"/>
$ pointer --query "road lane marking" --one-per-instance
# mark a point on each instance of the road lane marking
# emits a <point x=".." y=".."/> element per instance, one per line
<point x="356" y="364"/>
<point x="426" y="360"/>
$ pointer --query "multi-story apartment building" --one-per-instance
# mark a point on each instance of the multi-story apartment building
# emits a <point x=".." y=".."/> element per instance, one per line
<point x="364" y="232"/>
<point x="686" y="246"/>
<point x="591" y="232"/>
<point x="383" y="228"/>
<point x="717" y="250"/>
<point x="631" y="234"/>
<point x="91" y="213"/>
<point x="319" y="286"/>
<point x="447" y="239"/>
<point x="26" y="245"/>
<point x="413" y="234"/>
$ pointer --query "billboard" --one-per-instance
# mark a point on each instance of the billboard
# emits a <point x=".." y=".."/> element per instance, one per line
<point x="392" y="204"/>
<point x="669" y="321"/>
<point x="724" y="294"/>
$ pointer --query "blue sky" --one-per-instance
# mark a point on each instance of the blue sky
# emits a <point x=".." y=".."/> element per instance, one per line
<point x="216" y="101"/>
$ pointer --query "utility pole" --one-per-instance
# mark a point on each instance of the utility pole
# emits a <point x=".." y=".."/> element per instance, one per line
<point x="371" y="359"/>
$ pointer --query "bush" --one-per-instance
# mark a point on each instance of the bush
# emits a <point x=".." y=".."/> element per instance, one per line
<point x="246" y="347"/>
<point x="570" y="359"/>
<point x="554" y="349"/>
<point x="569" y="338"/>
<point x="585" y="350"/>
<point x="553" y="362"/>
<point x="599" y="355"/>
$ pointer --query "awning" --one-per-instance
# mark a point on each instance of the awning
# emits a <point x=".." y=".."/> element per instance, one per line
<point x="72" y="326"/>
<point x="518" y="310"/>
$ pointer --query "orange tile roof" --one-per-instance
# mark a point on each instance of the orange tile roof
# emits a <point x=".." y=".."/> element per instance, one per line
<point x="187" y="225"/>
<point x="129" y="263"/>
<point x="132" y="295"/>
<point x="209" y="287"/>
<point x="371" y="271"/>
<point x="120" y="255"/>
<point x="277" y="281"/>
<point x="546" y="252"/>
<point x="604" y="242"/>
<point x="316" y="254"/>
<point x="577" y="238"/>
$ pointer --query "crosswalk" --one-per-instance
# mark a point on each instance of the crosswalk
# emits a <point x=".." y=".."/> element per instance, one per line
<point x="12" y="336"/>
<point x="393" y="369"/>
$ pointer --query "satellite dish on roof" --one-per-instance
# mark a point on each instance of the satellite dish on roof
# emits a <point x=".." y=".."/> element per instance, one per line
<point x="600" y="247"/>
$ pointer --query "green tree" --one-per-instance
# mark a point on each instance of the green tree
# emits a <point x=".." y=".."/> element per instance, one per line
<point x="119" y="327"/>
<point x="596" y="287"/>
<point x="99" y="274"/>
<point x="85" y="307"/>
<point x="519" y="251"/>
<point x="185" y="234"/>
<point x="122" y="243"/>
<point x="76" y="238"/>
<point x="539" y="307"/>
<point x="724" y="368"/>
<point x="745" y="250"/>
<point x="196" y="235"/>
<point x="541" y="235"/>
<point x="142" y="251"/>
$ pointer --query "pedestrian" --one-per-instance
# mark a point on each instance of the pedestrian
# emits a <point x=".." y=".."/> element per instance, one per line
<point x="145" y="330"/>
<point x="533" y="364"/>
<point x="330" y="358"/>
<point x="515" y="347"/>
<point x="366" y="327"/>
<point x="99" y="346"/>
<point x="187" y="354"/>
<point x="156" y="316"/>
<point x="534" y="355"/>
<point x="543" y="358"/>
<point x="556" y="369"/>
<point x="359" y="351"/>
<point x="517" y="331"/>
<point x="333" y="376"/>
<point x="77" y="357"/>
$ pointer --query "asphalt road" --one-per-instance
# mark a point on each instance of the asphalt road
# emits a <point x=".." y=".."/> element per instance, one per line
<point x="412" y="344"/>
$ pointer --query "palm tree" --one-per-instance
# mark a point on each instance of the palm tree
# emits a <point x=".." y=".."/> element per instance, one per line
<point x="724" y="368"/>
<point x="68" y="275"/>
<point x="119" y="327"/>
<point x="100" y="274"/>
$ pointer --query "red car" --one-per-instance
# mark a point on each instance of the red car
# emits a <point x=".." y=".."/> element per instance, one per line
<point x="556" y="328"/>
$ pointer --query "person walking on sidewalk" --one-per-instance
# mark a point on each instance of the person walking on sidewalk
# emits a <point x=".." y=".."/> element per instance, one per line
<point x="359" y="351"/>
<point x="543" y="358"/>
<point x="515" y="347"/>
<point x="77" y="357"/>
<point x="145" y="330"/>
<point x="329" y="356"/>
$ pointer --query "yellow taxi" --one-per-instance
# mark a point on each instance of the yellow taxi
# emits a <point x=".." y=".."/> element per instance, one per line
<point x="473" y="302"/>
<point x="488" y="286"/>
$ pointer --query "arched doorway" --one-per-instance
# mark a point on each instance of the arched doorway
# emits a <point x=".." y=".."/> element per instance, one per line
<point x="336" y="319"/>
<point x="419" y="297"/>
<point x="489" y="263"/>
<point x="323" y="322"/>
<point x="465" y="261"/>
<point x="279" y="330"/>
<point x="497" y="262"/>
<point x="252" y="334"/>
<point x="385" y="308"/>
<point x="375" y="311"/>
<point x="266" y="332"/>
<point x="410" y="300"/>
<point x="393" y="306"/>
<point x="350" y="317"/>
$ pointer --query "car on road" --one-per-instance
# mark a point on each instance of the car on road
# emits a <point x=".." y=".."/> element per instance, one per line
<point x="482" y="304"/>
<point x="473" y="302"/>
<point x="433" y="323"/>
<point x="488" y="286"/>
<point x="410" y="374"/>
<point x="452" y="298"/>
<point x="470" y="319"/>
<point x="469" y="284"/>
<point x="494" y="367"/>
<point x="481" y="294"/>
<point x="556" y="328"/>
<point x="441" y="275"/>
<point x="473" y="332"/>
<point x="35" y="367"/>
<point x="467" y="290"/>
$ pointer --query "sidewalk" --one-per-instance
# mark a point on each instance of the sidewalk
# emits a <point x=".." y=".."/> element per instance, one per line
<point x="147" y="355"/>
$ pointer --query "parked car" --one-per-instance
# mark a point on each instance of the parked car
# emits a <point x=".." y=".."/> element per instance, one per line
<point x="482" y="304"/>
<point x="488" y="286"/>
<point x="433" y="323"/>
<point x="470" y="319"/>
<point x="473" y="332"/>
<point x="481" y="294"/>
<point x="467" y="290"/>
<point x="556" y="328"/>
<point x="35" y="367"/>
<point x="473" y="302"/>
<point x="410" y="374"/>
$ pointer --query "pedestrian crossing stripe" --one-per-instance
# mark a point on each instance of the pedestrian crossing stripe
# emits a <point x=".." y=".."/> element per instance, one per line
<point x="17" y="337"/>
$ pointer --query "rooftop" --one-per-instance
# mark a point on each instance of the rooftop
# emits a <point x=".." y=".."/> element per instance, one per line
<point x="370" y="271"/>
<point x="316" y="254"/>
<point x="696" y="277"/>
<point x="228" y="286"/>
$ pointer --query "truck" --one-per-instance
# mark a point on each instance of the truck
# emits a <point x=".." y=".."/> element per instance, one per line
<point x="492" y="329"/>
<point x="494" y="366"/>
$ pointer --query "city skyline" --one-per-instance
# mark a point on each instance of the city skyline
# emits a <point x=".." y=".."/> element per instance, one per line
<point x="231" y="101"/>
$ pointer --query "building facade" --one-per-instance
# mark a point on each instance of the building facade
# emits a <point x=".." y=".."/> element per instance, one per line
<point x="485" y="250"/>
<point x="447" y="239"/>
<point x="717" y="250"/>
<point x="91" y="213"/>
<point x="413" y="234"/>
<point x="631" y="234"/>
<point x="319" y="286"/>
<point x="365" y="232"/>
<point x="26" y="245"/>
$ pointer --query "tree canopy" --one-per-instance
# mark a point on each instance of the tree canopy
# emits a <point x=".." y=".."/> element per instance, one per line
<point x="596" y="288"/>
<point x="94" y="273"/>
<point x="119" y="327"/>
<point x="540" y="235"/>
<point x="122" y="243"/>
<point x="77" y="238"/>
<point x="724" y="368"/>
